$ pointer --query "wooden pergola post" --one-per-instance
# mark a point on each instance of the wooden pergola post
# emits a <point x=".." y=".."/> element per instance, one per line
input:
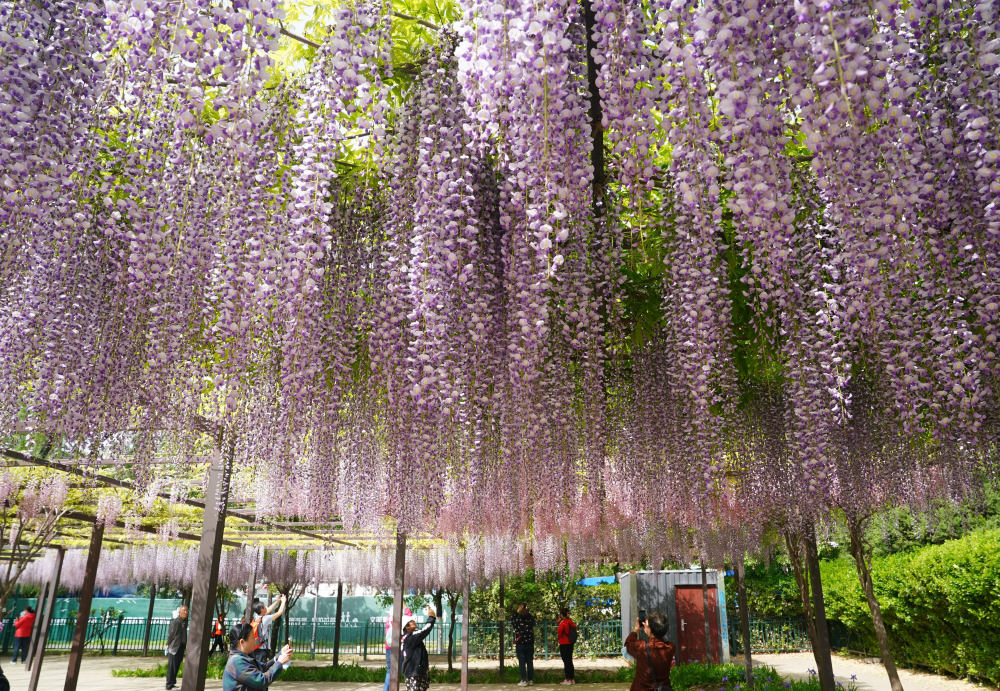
<point x="43" y="635"/>
<point x="207" y="572"/>
<point x="149" y="620"/>
<point x="397" y="610"/>
<point x="251" y="589"/>
<point x="336" y="626"/>
<point x="500" y="622"/>
<point x="37" y="626"/>
<point x="86" y="597"/>
<point x="465" y="633"/>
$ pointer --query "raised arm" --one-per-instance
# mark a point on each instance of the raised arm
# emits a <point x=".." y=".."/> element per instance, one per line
<point x="281" y="607"/>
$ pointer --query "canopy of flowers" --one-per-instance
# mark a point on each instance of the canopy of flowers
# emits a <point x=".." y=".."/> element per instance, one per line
<point x="451" y="293"/>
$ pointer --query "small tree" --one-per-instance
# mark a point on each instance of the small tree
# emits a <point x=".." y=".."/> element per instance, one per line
<point x="29" y="513"/>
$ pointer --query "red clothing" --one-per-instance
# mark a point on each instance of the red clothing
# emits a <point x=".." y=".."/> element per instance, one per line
<point x="563" y="631"/>
<point x="660" y="653"/>
<point x="218" y="628"/>
<point x="23" y="624"/>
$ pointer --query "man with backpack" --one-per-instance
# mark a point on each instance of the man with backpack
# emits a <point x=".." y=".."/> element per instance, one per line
<point x="263" y="625"/>
<point x="567" y="639"/>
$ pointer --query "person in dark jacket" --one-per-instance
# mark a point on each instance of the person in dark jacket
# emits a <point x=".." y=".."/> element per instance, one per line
<point x="177" y="636"/>
<point x="244" y="672"/>
<point x="523" y="623"/>
<point x="653" y="656"/>
<point x="566" y="636"/>
<point x="416" y="667"/>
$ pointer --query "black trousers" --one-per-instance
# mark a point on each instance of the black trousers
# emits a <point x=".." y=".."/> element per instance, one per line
<point x="173" y="664"/>
<point x="218" y="642"/>
<point x="566" y="653"/>
<point x="526" y="661"/>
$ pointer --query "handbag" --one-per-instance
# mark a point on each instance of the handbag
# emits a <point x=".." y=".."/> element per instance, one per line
<point x="657" y="686"/>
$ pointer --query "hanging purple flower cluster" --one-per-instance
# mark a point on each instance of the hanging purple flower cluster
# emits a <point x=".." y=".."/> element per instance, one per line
<point x="409" y="304"/>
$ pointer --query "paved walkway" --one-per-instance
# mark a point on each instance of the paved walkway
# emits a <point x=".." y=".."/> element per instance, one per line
<point x="869" y="674"/>
<point x="95" y="675"/>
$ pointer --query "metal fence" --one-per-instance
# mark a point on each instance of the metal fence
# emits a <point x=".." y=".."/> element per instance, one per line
<point x="112" y="636"/>
<point x="115" y="635"/>
<point x="770" y="636"/>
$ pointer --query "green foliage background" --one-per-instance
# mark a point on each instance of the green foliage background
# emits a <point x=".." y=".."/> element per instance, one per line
<point x="941" y="604"/>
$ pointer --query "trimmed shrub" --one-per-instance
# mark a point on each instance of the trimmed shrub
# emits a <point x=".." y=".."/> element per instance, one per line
<point x="941" y="605"/>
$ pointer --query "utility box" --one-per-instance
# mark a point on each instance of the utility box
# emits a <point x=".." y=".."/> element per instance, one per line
<point x="679" y="596"/>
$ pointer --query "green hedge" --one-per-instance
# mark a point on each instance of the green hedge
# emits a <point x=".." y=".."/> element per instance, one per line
<point x="941" y="605"/>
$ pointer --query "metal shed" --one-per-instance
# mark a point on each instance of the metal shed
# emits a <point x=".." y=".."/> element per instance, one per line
<point x="678" y="595"/>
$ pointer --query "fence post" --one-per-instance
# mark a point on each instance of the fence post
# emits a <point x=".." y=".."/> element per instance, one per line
<point x="365" y="654"/>
<point x="545" y="637"/>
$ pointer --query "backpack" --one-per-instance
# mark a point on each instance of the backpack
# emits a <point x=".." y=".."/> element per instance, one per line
<point x="572" y="635"/>
<point x="253" y="626"/>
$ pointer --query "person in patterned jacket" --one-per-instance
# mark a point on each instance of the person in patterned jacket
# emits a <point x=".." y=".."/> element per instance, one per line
<point x="523" y="623"/>
<point x="244" y="672"/>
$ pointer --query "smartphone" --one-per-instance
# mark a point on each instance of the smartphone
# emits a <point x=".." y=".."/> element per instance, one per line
<point x="642" y="616"/>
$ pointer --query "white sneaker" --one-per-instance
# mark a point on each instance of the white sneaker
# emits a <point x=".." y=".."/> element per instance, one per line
<point x="530" y="682"/>
<point x="522" y="683"/>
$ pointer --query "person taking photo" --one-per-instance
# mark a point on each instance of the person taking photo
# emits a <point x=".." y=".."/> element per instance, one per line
<point x="416" y="667"/>
<point x="653" y="655"/>
<point x="244" y="672"/>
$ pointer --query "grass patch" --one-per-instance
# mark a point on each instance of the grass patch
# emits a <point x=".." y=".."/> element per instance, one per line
<point x="733" y="678"/>
<point x="355" y="673"/>
<point x="683" y="677"/>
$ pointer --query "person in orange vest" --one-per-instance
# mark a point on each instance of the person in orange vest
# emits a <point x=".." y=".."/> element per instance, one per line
<point x="22" y="633"/>
<point x="218" y="638"/>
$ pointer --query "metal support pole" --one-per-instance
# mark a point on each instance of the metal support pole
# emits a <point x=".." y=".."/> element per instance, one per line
<point x="86" y="598"/>
<point x="465" y="634"/>
<point x="397" y="610"/>
<point x="207" y="572"/>
<point x="36" y="628"/>
<point x="149" y="620"/>
<point x="43" y="635"/>
<point x="336" y="626"/>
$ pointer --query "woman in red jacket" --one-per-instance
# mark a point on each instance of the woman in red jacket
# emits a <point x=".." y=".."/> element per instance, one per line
<point x="567" y="639"/>
<point x="652" y="656"/>
<point x="22" y="633"/>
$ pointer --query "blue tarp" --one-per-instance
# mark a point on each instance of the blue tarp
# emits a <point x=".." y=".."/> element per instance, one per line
<point x="596" y="580"/>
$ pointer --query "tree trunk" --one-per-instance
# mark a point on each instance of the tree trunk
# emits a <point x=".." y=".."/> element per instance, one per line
<point x="862" y="559"/>
<point x="805" y="564"/>
<point x="741" y="594"/>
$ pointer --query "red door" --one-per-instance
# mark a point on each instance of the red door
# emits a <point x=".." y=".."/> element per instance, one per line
<point x="691" y="623"/>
